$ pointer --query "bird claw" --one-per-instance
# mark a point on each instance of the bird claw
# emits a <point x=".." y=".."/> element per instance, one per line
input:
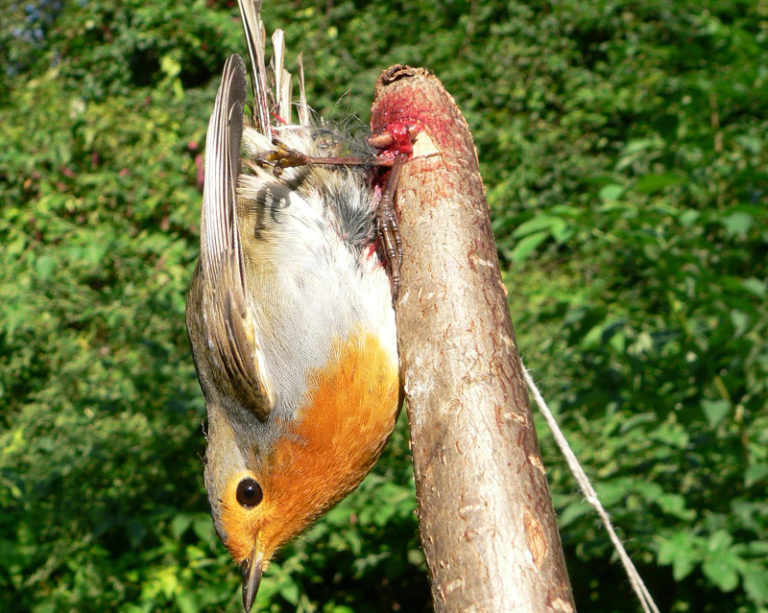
<point x="283" y="157"/>
<point x="395" y="144"/>
<point x="387" y="225"/>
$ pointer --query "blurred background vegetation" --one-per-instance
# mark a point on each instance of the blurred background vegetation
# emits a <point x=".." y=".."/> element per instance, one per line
<point x="623" y="145"/>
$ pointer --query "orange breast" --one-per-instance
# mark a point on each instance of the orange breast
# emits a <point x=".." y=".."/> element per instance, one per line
<point x="351" y="412"/>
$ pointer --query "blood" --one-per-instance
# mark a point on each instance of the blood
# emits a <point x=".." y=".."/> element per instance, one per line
<point x="395" y="138"/>
<point x="402" y="135"/>
<point x="279" y="119"/>
<point x="408" y="104"/>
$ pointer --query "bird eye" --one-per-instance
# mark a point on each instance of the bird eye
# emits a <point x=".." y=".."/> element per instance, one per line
<point x="249" y="493"/>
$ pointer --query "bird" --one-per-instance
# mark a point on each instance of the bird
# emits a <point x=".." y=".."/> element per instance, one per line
<point x="290" y="311"/>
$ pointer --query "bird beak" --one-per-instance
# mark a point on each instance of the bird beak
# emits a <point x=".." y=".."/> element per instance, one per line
<point x="251" y="578"/>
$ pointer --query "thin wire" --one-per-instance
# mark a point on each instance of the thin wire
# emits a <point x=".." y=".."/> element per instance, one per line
<point x="649" y="606"/>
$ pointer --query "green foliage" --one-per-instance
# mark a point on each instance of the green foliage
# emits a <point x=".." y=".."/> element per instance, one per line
<point x="624" y="150"/>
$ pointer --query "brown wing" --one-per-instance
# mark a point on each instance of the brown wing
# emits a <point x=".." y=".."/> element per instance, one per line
<point x="221" y="327"/>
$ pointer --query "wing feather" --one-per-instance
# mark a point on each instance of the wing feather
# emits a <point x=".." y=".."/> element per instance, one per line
<point x="231" y="329"/>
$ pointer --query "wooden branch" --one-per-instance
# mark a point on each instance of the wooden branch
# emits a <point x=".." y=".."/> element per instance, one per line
<point x="487" y="524"/>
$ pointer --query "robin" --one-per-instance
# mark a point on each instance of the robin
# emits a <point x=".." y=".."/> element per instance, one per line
<point x="289" y="315"/>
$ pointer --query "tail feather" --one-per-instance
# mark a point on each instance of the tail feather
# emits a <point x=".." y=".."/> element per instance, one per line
<point x="303" y="106"/>
<point x="282" y="77"/>
<point x="278" y="100"/>
<point x="255" y="37"/>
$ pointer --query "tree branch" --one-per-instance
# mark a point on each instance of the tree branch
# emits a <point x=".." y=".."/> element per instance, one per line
<point x="487" y="524"/>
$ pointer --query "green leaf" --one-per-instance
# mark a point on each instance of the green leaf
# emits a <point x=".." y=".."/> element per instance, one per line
<point x="203" y="528"/>
<point x="672" y="434"/>
<point x="416" y="558"/>
<point x="45" y="266"/>
<point x="289" y="590"/>
<point x="755" y="286"/>
<point x="527" y="245"/>
<point x="650" y="491"/>
<point x="755" y="473"/>
<point x="689" y="217"/>
<point x="654" y="182"/>
<point x="720" y="541"/>
<point x="558" y="227"/>
<point x="180" y="524"/>
<point x="740" y="322"/>
<point x="536" y="224"/>
<point x="722" y="573"/>
<point x="187" y="602"/>
<point x="611" y="193"/>
<point x="715" y="411"/>
<point x="755" y="577"/>
<point x="682" y="552"/>
<point x="674" y="504"/>
<point x="572" y="512"/>
<point x="737" y="223"/>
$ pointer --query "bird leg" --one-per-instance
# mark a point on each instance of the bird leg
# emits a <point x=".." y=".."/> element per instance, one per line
<point x="284" y="157"/>
<point x="387" y="224"/>
<point x="394" y="143"/>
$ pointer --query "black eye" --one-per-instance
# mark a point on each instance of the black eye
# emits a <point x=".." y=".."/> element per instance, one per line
<point x="249" y="493"/>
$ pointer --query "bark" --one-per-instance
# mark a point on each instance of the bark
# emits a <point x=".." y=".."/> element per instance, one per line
<point x="487" y="524"/>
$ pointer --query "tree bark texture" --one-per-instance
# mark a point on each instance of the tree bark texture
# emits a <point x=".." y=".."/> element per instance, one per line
<point x="486" y="519"/>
